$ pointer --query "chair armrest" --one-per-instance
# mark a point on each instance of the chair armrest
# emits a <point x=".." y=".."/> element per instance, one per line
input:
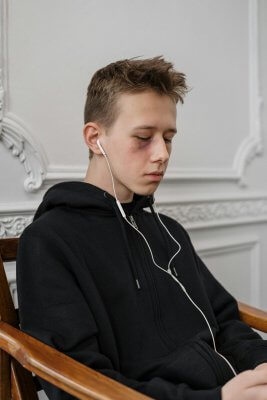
<point x="253" y="316"/>
<point x="61" y="370"/>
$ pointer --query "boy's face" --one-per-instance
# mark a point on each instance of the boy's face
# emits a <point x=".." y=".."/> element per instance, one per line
<point x="139" y="142"/>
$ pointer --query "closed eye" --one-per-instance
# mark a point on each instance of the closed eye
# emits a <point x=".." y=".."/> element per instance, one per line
<point x="145" y="139"/>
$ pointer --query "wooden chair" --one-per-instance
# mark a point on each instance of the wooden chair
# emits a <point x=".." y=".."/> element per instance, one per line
<point x="21" y="355"/>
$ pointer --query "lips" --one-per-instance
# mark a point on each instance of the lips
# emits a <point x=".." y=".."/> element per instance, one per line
<point x="156" y="173"/>
<point x="155" y="176"/>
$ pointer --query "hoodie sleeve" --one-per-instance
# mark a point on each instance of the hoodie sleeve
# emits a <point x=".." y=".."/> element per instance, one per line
<point x="53" y="310"/>
<point x="235" y="340"/>
<point x="238" y="342"/>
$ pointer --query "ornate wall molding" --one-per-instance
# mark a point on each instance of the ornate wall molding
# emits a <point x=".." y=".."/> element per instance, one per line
<point x="13" y="225"/>
<point x="192" y="214"/>
<point x="251" y="146"/>
<point x="15" y="217"/>
<point x="13" y="134"/>
<point x="16" y="139"/>
<point x="214" y="213"/>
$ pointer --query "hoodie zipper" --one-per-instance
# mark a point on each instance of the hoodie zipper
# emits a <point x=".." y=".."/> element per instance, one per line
<point x="135" y="225"/>
<point x="133" y="221"/>
<point x="155" y="299"/>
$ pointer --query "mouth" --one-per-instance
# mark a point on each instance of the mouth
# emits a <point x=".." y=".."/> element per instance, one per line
<point x="156" y="173"/>
<point x="155" y="176"/>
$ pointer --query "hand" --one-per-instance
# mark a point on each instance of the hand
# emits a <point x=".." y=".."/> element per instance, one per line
<point x="248" y="385"/>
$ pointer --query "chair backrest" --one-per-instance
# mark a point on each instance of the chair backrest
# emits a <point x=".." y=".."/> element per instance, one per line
<point x="15" y="381"/>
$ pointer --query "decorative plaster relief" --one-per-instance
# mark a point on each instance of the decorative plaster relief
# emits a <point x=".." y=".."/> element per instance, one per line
<point x="16" y="141"/>
<point x="193" y="215"/>
<point x="12" y="134"/>
<point x="13" y="225"/>
<point x="217" y="213"/>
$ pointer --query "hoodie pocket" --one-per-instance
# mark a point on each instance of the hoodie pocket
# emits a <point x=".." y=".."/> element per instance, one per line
<point x="217" y="363"/>
<point x="191" y="363"/>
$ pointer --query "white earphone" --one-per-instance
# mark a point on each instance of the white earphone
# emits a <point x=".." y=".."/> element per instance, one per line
<point x="101" y="148"/>
<point x="117" y="201"/>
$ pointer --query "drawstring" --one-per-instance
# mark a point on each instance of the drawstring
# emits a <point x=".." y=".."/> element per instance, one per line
<point x="129" y="253"/>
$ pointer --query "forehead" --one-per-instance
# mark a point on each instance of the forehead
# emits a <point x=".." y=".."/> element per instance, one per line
<point x="146" y="105"/>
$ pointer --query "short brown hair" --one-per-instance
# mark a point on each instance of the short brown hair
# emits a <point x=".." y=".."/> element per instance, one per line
<point x="130" y="76"/>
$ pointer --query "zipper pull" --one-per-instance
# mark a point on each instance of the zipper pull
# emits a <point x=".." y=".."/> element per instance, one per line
<point x="133" y="221"/>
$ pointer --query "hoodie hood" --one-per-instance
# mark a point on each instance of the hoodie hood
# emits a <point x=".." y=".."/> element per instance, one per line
<point x="84" y="195"/>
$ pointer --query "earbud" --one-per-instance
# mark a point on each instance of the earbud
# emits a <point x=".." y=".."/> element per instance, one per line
<point x="101" y="148"/>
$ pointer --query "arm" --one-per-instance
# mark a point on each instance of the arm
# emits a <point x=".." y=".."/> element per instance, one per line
<point x="242" y="346"/>
<point x="53" y="310"/>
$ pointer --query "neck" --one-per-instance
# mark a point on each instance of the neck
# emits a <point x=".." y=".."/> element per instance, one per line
<point x="98" y="174"/>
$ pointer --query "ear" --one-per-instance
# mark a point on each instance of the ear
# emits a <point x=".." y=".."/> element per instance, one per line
<point x="91" y="132"/>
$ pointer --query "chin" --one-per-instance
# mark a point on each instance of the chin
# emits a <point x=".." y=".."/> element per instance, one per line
<point x="146" y="191"/>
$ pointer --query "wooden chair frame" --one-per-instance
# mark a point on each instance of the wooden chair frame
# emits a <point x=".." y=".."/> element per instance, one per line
<point x="21" y="355"/>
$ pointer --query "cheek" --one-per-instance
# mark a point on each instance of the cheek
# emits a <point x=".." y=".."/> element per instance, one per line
<point x="133" y="159"/>
<point x="141" y="147"/>
<point x="135" y="150"/>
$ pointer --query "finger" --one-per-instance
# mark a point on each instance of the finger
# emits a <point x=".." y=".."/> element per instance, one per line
<point x="253" y="377"/>
<point x="257" y="393"/>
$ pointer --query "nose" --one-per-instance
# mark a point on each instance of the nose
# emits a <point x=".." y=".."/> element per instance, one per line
<point x="160" y="151"/>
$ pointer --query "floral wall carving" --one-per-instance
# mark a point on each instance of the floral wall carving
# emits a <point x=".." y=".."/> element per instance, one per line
<point x="197" y="214"/>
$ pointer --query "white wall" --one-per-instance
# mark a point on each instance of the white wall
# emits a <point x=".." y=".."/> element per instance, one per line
<point x="216" y="184"/>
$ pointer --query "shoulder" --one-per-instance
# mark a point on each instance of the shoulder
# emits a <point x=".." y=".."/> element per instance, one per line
<point x="55" y="229"/>
<point x="60" y="220"/>
<point x="46" y="246"/>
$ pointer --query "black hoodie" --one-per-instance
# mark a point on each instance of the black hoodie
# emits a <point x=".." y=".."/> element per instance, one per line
<point x="88" y="287"/>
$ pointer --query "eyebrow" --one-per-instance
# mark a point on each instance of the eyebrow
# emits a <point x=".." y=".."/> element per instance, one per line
<point x="148" y="127"/>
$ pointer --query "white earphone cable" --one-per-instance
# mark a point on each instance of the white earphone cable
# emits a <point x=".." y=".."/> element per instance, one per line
<point x="168" y="271"/>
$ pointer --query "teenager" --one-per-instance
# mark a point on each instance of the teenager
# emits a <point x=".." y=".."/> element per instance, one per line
<point x="107" y="280"/>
